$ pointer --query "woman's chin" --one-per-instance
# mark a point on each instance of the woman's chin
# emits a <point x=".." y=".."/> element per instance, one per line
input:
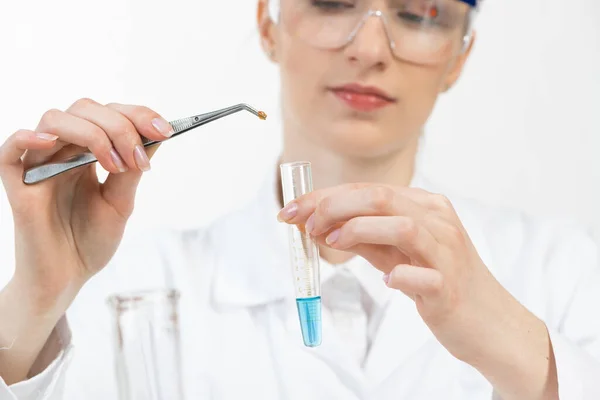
<point x="362" y="143"/>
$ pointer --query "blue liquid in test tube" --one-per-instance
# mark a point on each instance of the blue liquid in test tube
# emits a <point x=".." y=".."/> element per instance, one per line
<point x="296" y="180"/>
<point x="309" y="312"/>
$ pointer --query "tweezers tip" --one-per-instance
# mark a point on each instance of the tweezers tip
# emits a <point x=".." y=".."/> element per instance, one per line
<point x="262" y="115"/>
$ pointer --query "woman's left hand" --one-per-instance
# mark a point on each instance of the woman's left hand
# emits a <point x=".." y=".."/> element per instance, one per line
<point x="418" y="241"/>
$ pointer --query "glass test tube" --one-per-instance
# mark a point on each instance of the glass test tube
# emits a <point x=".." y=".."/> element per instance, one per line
<point x="296" y="180"/>
<point x="146" y="340"/>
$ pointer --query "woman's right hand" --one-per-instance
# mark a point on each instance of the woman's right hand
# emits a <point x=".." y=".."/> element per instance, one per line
<point x="67" y="228"/>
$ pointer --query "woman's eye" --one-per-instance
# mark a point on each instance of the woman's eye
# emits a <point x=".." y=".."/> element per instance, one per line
<point x="429" y="15"/>
<point x="419" y="11"/>
<point x="411" y="17"/>
<point x="331" y="5"/>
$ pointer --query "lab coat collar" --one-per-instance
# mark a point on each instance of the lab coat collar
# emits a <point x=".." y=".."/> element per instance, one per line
<point x="252" y="256"/>
<point x="369" y="278"/>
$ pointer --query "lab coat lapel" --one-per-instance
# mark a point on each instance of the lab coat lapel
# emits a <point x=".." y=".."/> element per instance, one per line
<point x="401" y="333"/>
<point x="430" y="373"/>
<point x="329" y="353"/>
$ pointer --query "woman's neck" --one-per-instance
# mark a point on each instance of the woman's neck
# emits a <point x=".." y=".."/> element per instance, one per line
<point x="330" y="169"/>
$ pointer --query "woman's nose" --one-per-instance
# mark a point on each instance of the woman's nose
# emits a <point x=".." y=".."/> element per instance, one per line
<point x="371" y="44"/>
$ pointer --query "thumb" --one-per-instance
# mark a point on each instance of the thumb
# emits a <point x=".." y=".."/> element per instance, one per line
<point x="415" y="280"/>
<point x="12" y="151"/>
<point x="119" y="189"/>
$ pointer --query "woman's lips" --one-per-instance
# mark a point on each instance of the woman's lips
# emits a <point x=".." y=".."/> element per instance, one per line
<point x="362" y="98"/>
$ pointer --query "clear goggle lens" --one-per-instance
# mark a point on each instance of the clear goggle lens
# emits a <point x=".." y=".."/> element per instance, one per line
<point x="420" y="31"/>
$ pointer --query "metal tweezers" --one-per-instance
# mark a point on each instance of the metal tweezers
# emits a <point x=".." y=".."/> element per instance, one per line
<point x="46" y="171"/>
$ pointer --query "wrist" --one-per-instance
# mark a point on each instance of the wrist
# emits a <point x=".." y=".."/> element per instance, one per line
<point x="47" y="299"/>
<point x="25" y="328"/>
<point x="511" y="347"/>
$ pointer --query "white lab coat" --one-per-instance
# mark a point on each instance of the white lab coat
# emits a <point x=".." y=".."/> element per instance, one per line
<point x="239" y="324"/>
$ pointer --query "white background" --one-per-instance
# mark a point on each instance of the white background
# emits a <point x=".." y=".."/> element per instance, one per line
<point x="521" y="129"/>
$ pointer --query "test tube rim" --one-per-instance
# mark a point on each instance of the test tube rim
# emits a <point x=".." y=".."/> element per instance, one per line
<point x="296" y="164"/>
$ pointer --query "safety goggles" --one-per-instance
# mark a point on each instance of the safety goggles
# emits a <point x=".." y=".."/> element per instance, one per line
<point x="419" y="31"/>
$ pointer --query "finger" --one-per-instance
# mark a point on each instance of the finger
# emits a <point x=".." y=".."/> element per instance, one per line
<point x="13" y="149"/>
<point x="367" y="201"/>
<point x="298" y="210"/>
<point x="120" y="130"/>
<point x="15" y="146"/>
<point x="124" y="125"/>
<point x="119" y="190"/>
<point x="148" y="123"/>
<point x="383" y="258"/>
<point x="415" y="280"/>
<point x="74" y="130"/>
<point x="411" y="237"/>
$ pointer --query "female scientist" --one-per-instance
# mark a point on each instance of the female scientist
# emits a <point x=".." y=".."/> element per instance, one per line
<point x="487" y="303"/>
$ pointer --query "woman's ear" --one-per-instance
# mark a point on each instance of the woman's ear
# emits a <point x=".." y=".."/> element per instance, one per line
<point x="458" y="65"/>
<point x="266" y="29"/>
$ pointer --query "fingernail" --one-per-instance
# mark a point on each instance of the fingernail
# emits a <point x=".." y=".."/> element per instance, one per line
<point x="288" y="212"/>
<point x="310" y="224"/>
<point x="386" y="278"/>
<point x="46" y="136"/>
<point x="163" y="127"/>
<point x="333" y="237"/>
<point x="118" y="161"/>
<point x="141" y="158"/>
